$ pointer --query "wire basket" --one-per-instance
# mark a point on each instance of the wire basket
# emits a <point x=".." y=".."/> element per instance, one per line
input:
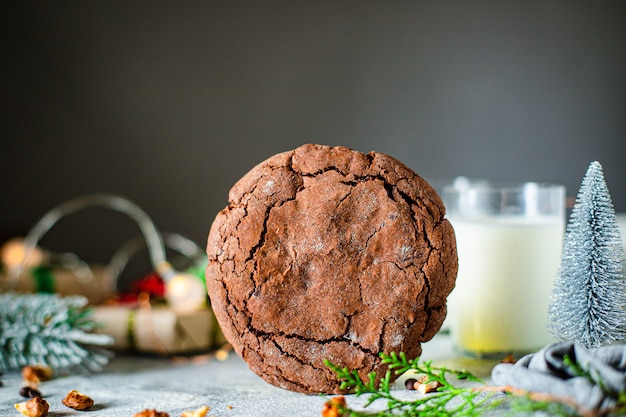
<point x="39" y="270"/>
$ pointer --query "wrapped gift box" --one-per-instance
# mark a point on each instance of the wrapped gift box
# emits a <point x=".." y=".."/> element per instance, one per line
<point x="159" y="329"/>
<point x="96" y="283"/>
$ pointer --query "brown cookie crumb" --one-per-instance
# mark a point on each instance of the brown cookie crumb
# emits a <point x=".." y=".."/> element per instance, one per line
<point x="328" y="253"/>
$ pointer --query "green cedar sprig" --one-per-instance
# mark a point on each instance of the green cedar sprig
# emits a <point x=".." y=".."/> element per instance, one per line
<point x="468" y="401"/>
<point x="448" y="401"/>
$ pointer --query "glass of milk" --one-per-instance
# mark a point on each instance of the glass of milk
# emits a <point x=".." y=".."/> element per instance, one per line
<point x="509" y="241"/>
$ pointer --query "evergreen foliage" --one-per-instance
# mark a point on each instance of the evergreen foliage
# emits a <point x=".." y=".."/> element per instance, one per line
<point x="50" y="330"/>
<point x="588" y="302"/>
<point x="473" y="399"/>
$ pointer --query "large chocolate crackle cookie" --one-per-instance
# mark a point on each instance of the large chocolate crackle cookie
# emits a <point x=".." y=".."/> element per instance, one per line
<point x="327" y="253"/>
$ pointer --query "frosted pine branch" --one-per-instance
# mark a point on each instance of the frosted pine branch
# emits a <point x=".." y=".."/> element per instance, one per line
<point x="51" y="330"/>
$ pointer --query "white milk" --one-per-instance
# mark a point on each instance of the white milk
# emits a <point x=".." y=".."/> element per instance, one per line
<point x="507" y="268"/>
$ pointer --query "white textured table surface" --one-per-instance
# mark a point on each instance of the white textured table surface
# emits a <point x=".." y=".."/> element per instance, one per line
<point x="130" y="384"/>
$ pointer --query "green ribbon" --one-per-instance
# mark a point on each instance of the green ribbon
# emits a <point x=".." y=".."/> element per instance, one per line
<point x="44" y="279"/>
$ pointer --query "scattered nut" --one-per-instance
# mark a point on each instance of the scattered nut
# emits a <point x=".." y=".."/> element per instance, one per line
<point x="334" y="407"/>
<point x="77" y="400"/>
<point x="223" y="352"/>
<point x="34" y="374"/>
<point x="510" y="358"/>
<point x="410" y="384"/>
<point x="29" y="392"/>
<point x="428" y="387"/>
<point x="21" y="407"/>
<point x="424" y="385"/>
<point x="151" y="413"/>
<point x="37" y="407"/>
<point x="200" y="412"/>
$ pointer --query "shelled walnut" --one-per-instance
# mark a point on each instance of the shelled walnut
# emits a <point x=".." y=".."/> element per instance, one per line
<point x="424" y="385"/>
<point x="200" y="412"/>
<point x="334" y="407"/>
<point x="36" y="407"/>
<point x="34" y="374"/>
<point x="77" y="400"/>
<point x="151" y="413"/>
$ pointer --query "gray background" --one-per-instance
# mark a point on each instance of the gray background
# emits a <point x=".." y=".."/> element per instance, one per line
<point x="169" y="103"/>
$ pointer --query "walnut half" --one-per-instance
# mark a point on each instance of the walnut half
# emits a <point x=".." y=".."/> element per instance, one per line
<point x="334" y="407"/>
<point x="200" y="412"/>
<point x="425" y="385"/>
<point x="151" y="413"/>
<point x="34" y="374"/>
<point x="77" y="400"/>
<point x="36" y="407"/>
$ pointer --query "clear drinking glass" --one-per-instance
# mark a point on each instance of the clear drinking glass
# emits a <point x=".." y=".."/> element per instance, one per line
<point x="509" y="241"/>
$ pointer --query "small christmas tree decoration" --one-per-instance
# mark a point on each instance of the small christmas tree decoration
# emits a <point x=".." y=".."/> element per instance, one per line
<point x="588" y="302"/>
<point x="49" y="330"/>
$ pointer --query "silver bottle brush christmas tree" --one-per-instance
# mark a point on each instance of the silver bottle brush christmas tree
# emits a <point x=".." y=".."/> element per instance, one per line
<point x="588" y="303"/>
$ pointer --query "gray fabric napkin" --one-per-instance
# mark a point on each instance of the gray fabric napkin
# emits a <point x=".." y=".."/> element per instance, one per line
<point x="603" y="372"/>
